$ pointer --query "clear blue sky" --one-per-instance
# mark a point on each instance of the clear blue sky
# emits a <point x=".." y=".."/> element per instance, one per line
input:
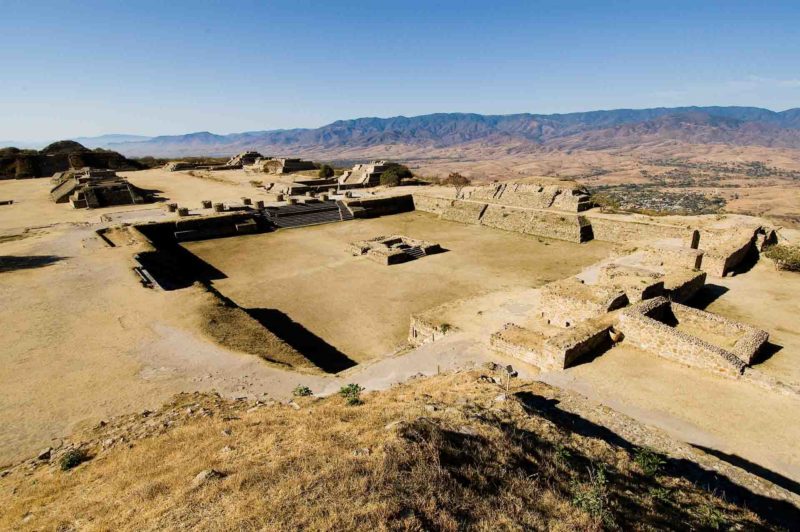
<point x="167" y="67"/>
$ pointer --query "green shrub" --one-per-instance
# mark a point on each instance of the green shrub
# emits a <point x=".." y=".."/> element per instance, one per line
<point x="712" y="518"/>
<point x="325" y="171"/>
<point x="72" y="458"/>
<point x="649" y="461"/>
<point x="302" y="391"/>
<point x="394" y="175"/>
<point x="785" y="257"/>
<point x="352" y="394"/>
<point x="592" y="497"/>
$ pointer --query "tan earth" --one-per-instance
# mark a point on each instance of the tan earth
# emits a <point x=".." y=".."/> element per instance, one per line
<point x="83" y="340"/>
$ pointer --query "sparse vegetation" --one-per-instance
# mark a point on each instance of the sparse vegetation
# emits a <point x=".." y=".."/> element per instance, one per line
<point x="302" y="391"/>
<point x="325" y="171"/>
<point x="72" y="458"/>
<point x="352" y="394"/>
<point x="466" y="466"/>
<point x="592" y="496"/>
<point x="649" y="461"/>
<point x="395" y="173"/>
<point x="457" y="181"/>
<point x="785" y="257"/>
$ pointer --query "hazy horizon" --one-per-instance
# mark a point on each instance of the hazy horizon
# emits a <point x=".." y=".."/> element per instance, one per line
<point x="150" y="68"/>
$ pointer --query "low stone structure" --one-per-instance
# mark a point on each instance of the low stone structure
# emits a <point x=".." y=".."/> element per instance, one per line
<point x="554" y="352"/>
<point x="246" y="158"/>
<point x="363" y="175"/>
<point x="393" y="249"/>
<point x="727" y="249"/>
<point x="681" y="284"/>
<point x="92" y="188"/>
<point x="280" y="165"/>
<point x="691" y="336"/>
<point x="569" y="301"/>
<point x="423" y="331"/>
<point x="637" y="283"/>
<point x="533" y="193"/>
<point x="177" y="166"/>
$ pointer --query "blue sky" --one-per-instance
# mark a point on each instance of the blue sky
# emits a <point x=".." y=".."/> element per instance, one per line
<point x="169" y="67"/>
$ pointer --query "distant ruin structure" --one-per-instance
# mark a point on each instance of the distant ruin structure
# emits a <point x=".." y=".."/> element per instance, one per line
<point x="90" y="188"/>
<point x="394" y="249"/>
<point x="364" y="175"/>
<point x="272" y="165"/>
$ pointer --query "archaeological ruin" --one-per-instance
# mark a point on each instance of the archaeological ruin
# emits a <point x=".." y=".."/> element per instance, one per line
<point x="393" y="249"/>
<point x="91" y="188"/>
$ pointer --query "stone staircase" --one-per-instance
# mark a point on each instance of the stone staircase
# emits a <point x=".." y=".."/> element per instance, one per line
<point x="303" y="215"/>
<point x="414" y="252"/>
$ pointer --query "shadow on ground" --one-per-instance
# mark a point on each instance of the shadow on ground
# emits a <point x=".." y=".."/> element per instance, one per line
<point x="707" y="295"/>
<point x="11" y="263"/>
<point x="755" y="469"/>
<point x="318" y="351"/>
<point x="774" y="511"/>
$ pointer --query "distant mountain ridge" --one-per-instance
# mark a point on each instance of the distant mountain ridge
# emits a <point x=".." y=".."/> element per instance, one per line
<point x="582" y="130"/>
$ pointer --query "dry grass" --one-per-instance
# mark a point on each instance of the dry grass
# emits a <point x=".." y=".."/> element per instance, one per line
<point x="231" y="327"/>
<point x="435" y="454"/>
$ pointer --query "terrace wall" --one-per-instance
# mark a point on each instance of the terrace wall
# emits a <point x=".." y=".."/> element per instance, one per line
<point x="623" y="231"/>
<point x="641" y="328"/>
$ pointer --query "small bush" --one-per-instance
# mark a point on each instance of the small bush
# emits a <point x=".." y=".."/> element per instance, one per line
<point x="394" y="175"/>
<point x="456" y="181"/>
<point x="592" y="497"/>
<point x="649" y="461"/>
<point x="444" y="327"/>
<point x="712" y="518"/>
<point x="352" y="394"/>
<point x="785" y="257"/>
<point x="301" y="391"/>
<point x="325" y="171"/>
<point x="661" y="494"/>
<point x="73" y="458"/>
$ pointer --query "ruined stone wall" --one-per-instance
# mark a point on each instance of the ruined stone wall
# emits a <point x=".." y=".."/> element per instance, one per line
<point x="423" y="331"/>
<point x="431" y="204"/>
<point x="623" y="231"/>
<point x="525" y="345"/>
<point x="562" y="226"/>
<point x="466" y="212"/>
<point x="372" y="207"/>
<point x="556" y="352"/>
<point x="726" y="253"/>
<point x="681" y="285"/>
<point x="750" y="339"/>
<point x="680" y="257"/>
<point x="565" y="197"/>
<point x="640" y="329"/>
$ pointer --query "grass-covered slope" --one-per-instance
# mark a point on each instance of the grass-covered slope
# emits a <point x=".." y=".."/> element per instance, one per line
<point x="445" y="453"/>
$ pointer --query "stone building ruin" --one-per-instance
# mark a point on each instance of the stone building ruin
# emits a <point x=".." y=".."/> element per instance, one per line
<point x="270" y="165"/>
<point x="393" y="249"/>
<point x="364" y="175"/>
<point x="92" y="188"/>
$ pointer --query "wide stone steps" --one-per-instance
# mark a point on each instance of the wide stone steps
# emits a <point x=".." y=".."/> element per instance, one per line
<point x="415" y="252"/>
<point x="309" y="214"/>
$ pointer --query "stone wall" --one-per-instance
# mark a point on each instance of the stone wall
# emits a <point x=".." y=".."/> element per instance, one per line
<point x="431" y="204"/>
<point x="727" y="251"/>
<point x="556" y="352"/>
<point x="467" y="212"/>
<point x="549" y="194"/>
<point x="372" y="207"/>
<point x="749" y="339"/>
<point x="569" y="301"/>
<point x="680" y="285"/>
<point x="622" y="231"/>
<point x="423" y="331"/>
<point x="641" y="328"/>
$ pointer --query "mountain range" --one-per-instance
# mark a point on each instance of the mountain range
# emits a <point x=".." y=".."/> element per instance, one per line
<point x="595" y="130"/>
